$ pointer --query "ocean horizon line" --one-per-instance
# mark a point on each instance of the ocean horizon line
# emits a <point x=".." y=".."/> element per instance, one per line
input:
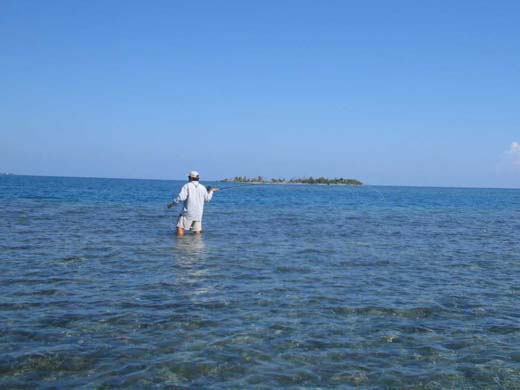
<point x="221" y="180"/>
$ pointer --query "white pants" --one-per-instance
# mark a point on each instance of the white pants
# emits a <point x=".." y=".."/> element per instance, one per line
<point x="187" y="224"/>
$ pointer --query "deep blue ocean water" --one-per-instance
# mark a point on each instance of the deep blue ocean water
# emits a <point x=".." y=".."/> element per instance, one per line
<point x="290" y="286"/>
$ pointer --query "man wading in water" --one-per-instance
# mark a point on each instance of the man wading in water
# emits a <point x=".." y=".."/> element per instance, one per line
<point x="193" y="194"/>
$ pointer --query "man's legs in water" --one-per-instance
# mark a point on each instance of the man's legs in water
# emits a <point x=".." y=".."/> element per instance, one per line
<point x="196" y="227"/>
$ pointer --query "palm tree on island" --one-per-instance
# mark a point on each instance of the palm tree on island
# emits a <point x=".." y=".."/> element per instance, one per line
<point x="304" y="180"/>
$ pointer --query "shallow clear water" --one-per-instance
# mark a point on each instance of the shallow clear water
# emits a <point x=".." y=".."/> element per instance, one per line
<point x="289" y="286"/>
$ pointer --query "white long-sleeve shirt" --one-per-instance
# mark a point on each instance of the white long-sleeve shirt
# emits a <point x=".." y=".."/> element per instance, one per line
<point x="193" y="194"/>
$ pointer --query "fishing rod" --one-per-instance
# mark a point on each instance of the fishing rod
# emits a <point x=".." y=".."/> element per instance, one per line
<point x="237" y="186"/>
<point x="209" y="188"/>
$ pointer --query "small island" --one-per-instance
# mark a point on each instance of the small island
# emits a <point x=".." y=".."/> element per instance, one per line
<point x="304" y="180"/>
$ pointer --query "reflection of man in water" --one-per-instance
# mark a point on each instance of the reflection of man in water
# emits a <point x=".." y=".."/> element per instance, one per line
<point x="193" y="194"/>
<point x="190" y="249"/>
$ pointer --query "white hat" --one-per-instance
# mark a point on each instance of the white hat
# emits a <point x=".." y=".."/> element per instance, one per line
<point x="193" y="174"/>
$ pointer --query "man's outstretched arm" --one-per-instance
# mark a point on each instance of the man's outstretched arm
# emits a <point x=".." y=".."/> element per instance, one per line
<point x="183" y="195"/>
<point x="209" y="194"/>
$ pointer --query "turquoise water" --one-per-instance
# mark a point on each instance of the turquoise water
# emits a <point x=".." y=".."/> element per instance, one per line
<point x="289" y="287"/>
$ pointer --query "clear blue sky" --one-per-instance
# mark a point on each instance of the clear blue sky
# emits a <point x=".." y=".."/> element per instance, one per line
<point x="389" y="92"/>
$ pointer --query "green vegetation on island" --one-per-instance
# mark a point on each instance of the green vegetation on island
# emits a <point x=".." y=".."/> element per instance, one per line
<point x="304" y="180"/>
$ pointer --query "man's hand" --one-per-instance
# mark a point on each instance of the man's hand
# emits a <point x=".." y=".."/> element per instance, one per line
<point x="214" y="190"/>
